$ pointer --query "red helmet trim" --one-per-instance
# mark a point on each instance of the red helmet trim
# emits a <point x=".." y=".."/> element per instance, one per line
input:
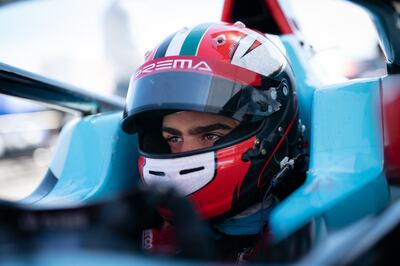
<point x="141" y="163"/>
<point x="231" y="172"/>
<point x="199" y="65"/>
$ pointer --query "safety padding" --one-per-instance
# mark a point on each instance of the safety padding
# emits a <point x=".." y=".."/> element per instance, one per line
<point x="94" y="159"/>
<point x="346" y="179"/>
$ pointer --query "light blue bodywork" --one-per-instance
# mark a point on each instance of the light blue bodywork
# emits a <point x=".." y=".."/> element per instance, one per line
<point x="345" y="182"/>
<point x="346" y="179"/>
<point x="94" y="159"/>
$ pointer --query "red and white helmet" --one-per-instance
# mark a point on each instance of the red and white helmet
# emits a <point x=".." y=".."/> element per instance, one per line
<point x="224" y="69"/>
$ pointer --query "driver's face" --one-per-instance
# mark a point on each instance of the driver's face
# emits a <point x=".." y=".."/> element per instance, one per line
<point x="188" y="131"/>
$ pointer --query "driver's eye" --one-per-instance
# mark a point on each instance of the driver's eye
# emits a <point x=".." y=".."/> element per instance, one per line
<point x="211" y="137"/>
<point x="174" y="139"/>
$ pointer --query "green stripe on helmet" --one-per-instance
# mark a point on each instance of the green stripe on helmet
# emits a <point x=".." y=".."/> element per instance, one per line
<point x="191" y="43"/>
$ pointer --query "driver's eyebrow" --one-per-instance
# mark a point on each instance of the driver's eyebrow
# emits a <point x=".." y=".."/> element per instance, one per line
<point x="171" y="130"/>
<point x="212" y="127"/>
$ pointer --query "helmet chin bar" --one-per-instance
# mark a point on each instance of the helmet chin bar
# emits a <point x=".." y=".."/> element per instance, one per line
<point x="186" y="174"/>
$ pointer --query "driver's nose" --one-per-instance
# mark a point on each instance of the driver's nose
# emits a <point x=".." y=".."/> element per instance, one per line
<point x="192" y="144"/>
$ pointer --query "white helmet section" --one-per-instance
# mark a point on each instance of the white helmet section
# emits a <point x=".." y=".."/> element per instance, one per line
<point x="251" y="56"/>
<point x="186" y="174"/>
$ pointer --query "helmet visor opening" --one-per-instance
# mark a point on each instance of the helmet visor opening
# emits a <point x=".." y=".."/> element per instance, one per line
<point x="153" y="143"/>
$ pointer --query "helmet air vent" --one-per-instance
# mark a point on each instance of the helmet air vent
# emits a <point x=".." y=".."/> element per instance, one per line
<point x="192" y="170"/>
<point x="157" y="173"/>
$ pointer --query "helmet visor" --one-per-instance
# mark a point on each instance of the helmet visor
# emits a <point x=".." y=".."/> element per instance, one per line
<point x="200" y="92"/>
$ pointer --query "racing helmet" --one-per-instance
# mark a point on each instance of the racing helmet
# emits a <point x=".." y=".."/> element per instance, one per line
<point x="224" y="69"/>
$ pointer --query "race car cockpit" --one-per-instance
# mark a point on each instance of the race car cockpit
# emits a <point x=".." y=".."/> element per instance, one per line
<point x="92" y="207"/>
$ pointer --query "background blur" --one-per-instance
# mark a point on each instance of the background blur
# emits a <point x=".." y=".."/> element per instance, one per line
<point x="97" y="44"/>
